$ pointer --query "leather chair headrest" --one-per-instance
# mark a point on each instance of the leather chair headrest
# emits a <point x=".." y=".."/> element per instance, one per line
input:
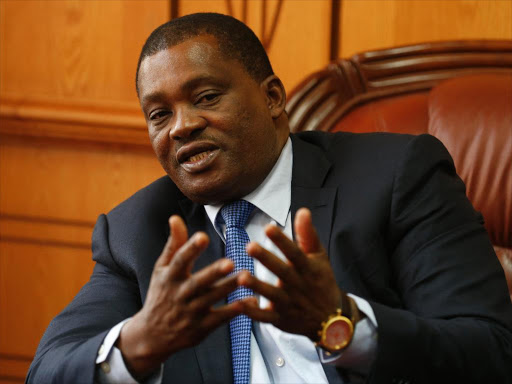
<point x="472" y="116"/>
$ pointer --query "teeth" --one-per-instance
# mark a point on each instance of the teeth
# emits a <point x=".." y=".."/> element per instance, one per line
<point x="198" y="157"/>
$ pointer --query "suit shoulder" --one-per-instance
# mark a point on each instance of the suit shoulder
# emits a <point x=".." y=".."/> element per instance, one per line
<point x="370" y="157"/>
<point x="159" y="197"/>
<point x="334" y="142"/>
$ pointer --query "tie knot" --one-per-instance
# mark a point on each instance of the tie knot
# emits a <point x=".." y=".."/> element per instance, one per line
<point x="235" y="214"/>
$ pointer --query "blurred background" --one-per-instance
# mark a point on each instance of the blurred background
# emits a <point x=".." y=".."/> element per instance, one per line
<point x="73" y="142"/>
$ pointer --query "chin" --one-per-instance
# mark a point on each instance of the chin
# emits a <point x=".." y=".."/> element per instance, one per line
<point x="214" y="190"/>
<point x="209" y="194"/>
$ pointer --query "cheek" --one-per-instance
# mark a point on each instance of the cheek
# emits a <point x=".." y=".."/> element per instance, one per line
<point x="161" y="142"/>
<point x="259" y="137"/>
<point x="255" y="128"/>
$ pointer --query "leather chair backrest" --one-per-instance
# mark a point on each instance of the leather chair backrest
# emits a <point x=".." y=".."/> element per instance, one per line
<point x="460" y="92"/>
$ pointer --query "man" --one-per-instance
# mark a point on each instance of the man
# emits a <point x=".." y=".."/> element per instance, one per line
<point x="385" y="219"/>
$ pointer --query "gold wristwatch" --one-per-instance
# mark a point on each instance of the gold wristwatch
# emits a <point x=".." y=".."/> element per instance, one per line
<point x="337" y="331"/>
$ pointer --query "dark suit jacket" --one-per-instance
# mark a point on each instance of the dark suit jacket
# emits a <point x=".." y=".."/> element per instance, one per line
<point x="399" y="231"/>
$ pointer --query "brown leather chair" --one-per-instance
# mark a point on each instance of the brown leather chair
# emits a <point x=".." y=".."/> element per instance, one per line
<point x="460" y="92"/>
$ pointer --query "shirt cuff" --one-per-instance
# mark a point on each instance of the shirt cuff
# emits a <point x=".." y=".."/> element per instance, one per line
<point x="359" y="355"/>
<point x="110" y="367"/>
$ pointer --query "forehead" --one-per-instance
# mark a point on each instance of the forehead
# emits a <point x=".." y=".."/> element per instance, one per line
<point x="195" y="58"/>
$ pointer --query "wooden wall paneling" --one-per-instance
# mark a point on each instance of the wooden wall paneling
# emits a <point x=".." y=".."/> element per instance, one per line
<point x="13" y="368"/>
<point x="73" y="144"/>
<point x="84" y="50"/>
<point x="335" y="34"/>
<point x="69" y="181"/>
<point x="186" y="7"/>
<point x="67" y="68"/>
<point x="43" y="231"/>
<point x="50" y="195"/>
<point x="300" y="43"/>
<point x="35" y="285"/>
<point x="89" y="123"/>
<point x="375" y="24"/>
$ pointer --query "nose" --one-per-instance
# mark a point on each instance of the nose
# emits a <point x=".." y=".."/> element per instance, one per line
<point x="186" y="122"/>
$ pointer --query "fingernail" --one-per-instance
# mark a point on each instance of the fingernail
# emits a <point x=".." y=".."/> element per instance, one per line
<point x="270" y="229"/>
<point x="199" y="239"/>
<point x="243" y="278"/>
<point x="226" y="264"/>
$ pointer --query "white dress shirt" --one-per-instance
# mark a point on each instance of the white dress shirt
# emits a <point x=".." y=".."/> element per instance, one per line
<point x="276" y="356"/>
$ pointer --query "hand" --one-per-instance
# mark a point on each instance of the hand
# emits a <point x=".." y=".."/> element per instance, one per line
<point x="306" y="293"/>
<point x="178" y="310"/>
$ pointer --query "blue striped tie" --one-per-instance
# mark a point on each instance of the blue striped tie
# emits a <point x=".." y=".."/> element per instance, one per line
<point x="235" y="216"/>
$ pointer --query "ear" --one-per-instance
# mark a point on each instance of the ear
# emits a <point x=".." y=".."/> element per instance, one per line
<point x="275" y="95"/>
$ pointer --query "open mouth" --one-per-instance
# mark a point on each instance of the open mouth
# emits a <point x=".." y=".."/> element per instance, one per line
<point x="197" y="157"/>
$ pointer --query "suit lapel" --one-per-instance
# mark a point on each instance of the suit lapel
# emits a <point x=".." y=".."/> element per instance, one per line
<point x="310" y="168"/>
<point x="213" y="353"/>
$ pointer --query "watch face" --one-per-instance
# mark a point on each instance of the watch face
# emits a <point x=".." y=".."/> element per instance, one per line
<point x="339" y="333"/>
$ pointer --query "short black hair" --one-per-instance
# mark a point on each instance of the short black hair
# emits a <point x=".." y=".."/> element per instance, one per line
<point x="236" y="41"/>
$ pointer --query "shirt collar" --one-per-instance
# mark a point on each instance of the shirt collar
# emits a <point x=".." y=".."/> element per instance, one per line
<point x="273" y="196"/>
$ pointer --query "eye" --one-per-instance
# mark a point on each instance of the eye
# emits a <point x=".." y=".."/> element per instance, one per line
<point x="158" y="115"/>
<point x="208" y="98"/>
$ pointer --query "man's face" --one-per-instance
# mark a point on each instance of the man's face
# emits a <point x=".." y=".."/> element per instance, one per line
<point x="208" y="120"/>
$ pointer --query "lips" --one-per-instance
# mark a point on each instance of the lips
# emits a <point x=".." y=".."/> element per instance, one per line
<point x="196" y="157"/>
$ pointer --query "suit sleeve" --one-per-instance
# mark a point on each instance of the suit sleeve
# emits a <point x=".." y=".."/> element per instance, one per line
<point x="455" y="324"/>
<point x="69" y="347"/>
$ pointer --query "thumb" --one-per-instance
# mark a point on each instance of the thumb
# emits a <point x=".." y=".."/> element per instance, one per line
<point x="305" y="233"/>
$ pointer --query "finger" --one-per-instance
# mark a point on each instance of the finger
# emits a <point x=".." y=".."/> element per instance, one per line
<point x="203" y="279"/>
<point x="281" y="269"/>
<point x="183" y="259"/>
<point x="219" y="291"/>
<point x="221" y="315"/>
<point x="305" y="232"/>
<point x="176" y="239"/>
<point x="271" y="292"/>
<point x="262" y="315"/>
<point x="288" y="247"/>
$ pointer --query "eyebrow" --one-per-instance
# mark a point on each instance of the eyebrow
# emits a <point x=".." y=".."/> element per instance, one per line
<point x="186" y="87"/>
<point x="196" y="81"/>
<point x="155" y="96"/>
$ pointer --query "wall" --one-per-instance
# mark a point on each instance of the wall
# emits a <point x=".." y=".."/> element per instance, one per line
<point x="295" y="33"/>
<point x="373" y="24"/>
<point x="73" y="142"/>
<point x="310" y="33"/>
